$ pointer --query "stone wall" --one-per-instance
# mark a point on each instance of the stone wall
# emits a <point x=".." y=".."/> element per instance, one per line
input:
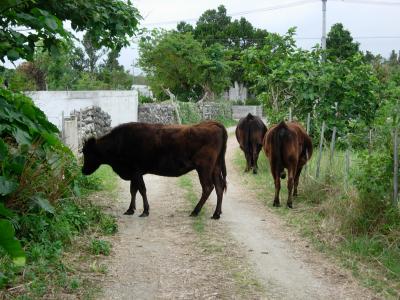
<point x="91" y="121"/>
<point x="167" y="112"/>
<point x="158" y="113"/>
<point x="215" y="110"/>
<point x="240" y="111"/>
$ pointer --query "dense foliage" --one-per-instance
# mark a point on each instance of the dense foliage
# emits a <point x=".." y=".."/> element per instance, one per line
<point x="287" y="76"/>
<point x="212" y="49"/>
<point x="73" y="67"/>
<point x="24" y="24"/>
<point x="39" y="182"/>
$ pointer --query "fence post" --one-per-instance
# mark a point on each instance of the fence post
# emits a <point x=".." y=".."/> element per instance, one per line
<point x="347" y="165"/>
<point x="396" y="167"/>
<point x="290" y="114"/>
<point x="308" y="132"/>
<point x="320" y="149"/>
<point x="62" y="127"/>
<point x="332" y="145"/>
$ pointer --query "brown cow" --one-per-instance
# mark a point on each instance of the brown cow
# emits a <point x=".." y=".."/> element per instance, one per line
<point x="135" y="149"/>
<point x="287" y="145"/>
<point x="250" y="133"/>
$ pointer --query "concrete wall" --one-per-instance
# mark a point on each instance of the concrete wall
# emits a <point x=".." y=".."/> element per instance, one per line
<point x="240" y="111"/>
<point x="70" y="134"/>
<point x="122" y="106"/>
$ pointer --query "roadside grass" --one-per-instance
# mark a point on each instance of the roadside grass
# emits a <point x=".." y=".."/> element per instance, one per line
<point x="208" y="232"/>
<point x="327" y="212"/>
<point x="186" y="183"/>
<point x="63" y="261"/>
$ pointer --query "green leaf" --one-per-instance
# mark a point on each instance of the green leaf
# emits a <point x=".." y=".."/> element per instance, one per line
<point x="5" y="212"/>
<point x="7" y="186"/>
<point x="43" y="203"/>
<point x="12" y="54"/>
<point x="3" y="149"/>
<point x="51" y="23"/>
<point x="10" y="243"/>
<point x="21" y="136"/>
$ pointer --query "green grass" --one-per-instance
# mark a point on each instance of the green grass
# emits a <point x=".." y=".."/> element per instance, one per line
<point x="326" y="212"/>
<point x="186" y="183"/>
<point x="98" y="247"/>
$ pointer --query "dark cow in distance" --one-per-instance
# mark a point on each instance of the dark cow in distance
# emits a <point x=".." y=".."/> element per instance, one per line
<point x="135" y="149"/>
<point x="287" y="145"/>
<point x="250" y="133"/>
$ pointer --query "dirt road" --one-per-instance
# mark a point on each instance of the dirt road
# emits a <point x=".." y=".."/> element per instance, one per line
<point x="248" y="254"/>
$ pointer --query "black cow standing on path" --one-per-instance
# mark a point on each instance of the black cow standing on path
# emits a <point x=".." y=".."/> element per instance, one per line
<point x="250" y="132"/>
<point x="136" y="149"/>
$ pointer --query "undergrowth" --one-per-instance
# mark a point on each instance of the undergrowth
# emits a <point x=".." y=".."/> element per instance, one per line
<point x="363" y="234"/>
<point x="46" y="220"/>
<point x="59" y="246"/>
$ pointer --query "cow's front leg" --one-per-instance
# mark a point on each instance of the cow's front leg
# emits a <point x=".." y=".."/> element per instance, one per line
<point x="142" y="191"/>
<point x="132" y="206"/>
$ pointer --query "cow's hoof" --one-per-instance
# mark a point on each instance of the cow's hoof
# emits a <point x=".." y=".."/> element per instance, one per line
<point x="276" y="204"/>
<point x="129" y="212"/>
<point x="144" y="214"/>
<point x="215" y="216"/>
<point x="194" y="214"/>
<point x="290" y="205"/>
<point x="254" y="171"/>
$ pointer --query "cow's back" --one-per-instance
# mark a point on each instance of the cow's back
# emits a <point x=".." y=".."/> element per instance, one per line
<point x="166" y="150"/>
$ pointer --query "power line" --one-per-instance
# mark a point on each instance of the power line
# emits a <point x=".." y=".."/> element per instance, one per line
<point x="371" y="2"/>
<point x="240" y="13"/>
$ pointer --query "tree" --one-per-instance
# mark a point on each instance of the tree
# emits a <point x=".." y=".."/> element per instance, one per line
<point x="172" y="61"/>
<point x="215" y="26"/>
<point x="339" y="43"/>
<point x="92" y="51"/>
<point x="287" y="76"/>
<point x="23" y="24"/>
<point x="212" y="27"/>
<point x="177" y="63"/>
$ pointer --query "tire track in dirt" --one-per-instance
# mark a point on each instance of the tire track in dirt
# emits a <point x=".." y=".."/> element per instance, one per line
<point x="285" y="264"/>
<point x="162" y="257"/>
<point x="248" y="254"/>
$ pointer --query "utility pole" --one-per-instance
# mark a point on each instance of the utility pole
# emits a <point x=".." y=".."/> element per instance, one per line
<point x="323" y="39"/>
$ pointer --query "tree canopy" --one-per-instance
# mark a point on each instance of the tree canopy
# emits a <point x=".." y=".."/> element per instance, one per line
<point x="340" y="44"/>
<point x="25" y="25"/>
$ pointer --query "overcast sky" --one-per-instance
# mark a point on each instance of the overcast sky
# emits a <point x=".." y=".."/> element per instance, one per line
<point x="373" y="23"/>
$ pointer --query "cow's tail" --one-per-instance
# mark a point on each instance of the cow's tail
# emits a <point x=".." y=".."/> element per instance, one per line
<point x="280" y="134"/>
<point x="308" y="147"/>
<point x="221" y="156"/>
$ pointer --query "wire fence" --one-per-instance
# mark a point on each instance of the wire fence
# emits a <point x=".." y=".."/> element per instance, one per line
<point x="329" y="160"/>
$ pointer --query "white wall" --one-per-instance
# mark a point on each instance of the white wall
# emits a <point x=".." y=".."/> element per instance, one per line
<point x="121" y="105"/>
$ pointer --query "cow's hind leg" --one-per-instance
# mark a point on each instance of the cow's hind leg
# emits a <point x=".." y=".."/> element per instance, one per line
<point x="207" y="187"/>
<point x="219" y="188"/>
<point x="256" y="152"/>
<point x="132" y="207"/>
<point x="296" y="181"/>
<point x="277" y="182"/>
<point x="142" y="191"/>
<point x="290" y="185"/>
<point x="247" y="154"/>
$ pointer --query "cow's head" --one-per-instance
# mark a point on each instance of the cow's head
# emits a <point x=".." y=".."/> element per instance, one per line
<point x="91" y="157"/>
